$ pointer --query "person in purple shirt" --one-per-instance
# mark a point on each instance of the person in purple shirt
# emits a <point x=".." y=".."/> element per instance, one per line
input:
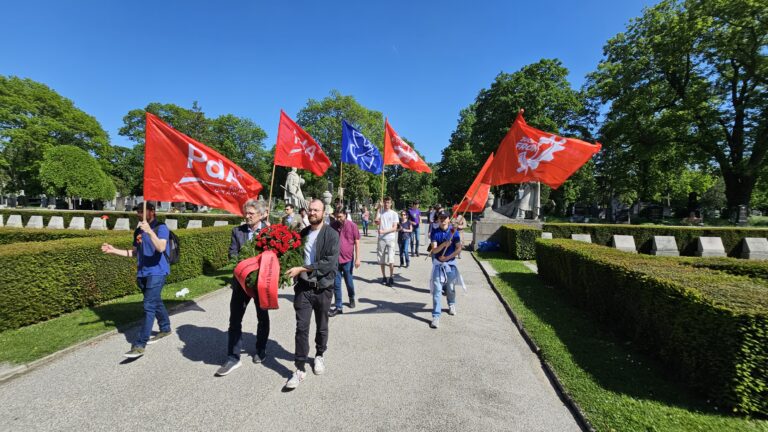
<point x="414" y="214"/>
<point x="349" y="250"/>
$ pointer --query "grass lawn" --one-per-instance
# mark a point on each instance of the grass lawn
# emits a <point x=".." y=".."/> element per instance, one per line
<point x="616" y="388"/>
<point x="38" y="340"/>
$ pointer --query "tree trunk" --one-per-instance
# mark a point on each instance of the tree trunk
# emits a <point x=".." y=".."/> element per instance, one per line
<point x="738" y="188"/>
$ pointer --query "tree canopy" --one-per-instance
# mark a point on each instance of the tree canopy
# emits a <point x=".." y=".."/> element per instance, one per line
<point x="70" y="171"/>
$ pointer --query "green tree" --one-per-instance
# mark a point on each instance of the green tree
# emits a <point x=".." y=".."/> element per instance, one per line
<point x="459" y="164"/>
<point x="691" y="76"/>
<point x="33" y="119"/>
<point x="70" y="171"/>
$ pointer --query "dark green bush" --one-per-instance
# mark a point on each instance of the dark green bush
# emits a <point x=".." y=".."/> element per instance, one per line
<point x="183" y="218"/>
<point x="709" y="325"/>
<point x="519" y="241"/>
<point x="20" y="235"/>
<point x="686" y="237"/>
<point x="42" y="280"/>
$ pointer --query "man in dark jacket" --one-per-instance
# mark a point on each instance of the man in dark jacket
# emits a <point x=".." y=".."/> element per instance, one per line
<point x="256" y="218"/>
<point x="314" y="290"/>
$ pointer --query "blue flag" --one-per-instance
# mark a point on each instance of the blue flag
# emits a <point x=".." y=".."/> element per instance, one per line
<point x="356" y="149"/>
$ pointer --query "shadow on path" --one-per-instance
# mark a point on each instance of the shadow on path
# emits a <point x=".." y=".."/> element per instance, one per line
<point x="409" y="309"/>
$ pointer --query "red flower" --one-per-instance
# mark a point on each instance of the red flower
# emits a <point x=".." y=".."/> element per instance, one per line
<point x="105" y="217"/>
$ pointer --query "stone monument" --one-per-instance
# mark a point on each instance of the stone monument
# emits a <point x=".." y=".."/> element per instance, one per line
<point x="488" y="225"/>
<point x="327" y="197"/>
<point x="293" y="194"/>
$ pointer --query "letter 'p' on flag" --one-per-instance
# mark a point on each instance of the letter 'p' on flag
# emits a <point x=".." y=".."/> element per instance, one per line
<point x="178" y="168"/>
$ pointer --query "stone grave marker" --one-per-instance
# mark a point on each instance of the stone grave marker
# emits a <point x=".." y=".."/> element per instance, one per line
<point x="1" y="221"/>
<point x="546" y="235"/>
<point x="194" y="224"/>
<point x="172" y="224"/>
<point x="624" y="243"/>
<point x="77" y="223"/>
<point x="98" y="223"/>
<point x="122" y="224"/>
<point x="220" y="223"/>
<point x="664" y="246"/>
<point x="35" y="222"/>
<point x="582" y="237"/>
<point x="14" y="221"/>
<point x="710" y="247"/>
<point x="755" y="248"/>
<point x="56" y="222"/>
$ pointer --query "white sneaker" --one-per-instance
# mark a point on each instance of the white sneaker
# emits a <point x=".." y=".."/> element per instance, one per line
<point x="452" y="309"/>
<point x="296" y="379"/>
<point x="319" y="368"/>
<point x="435" y="323"/>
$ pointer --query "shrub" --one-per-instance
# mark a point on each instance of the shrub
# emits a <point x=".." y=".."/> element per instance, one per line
<point x="686" y="237"/>
<point x="20" y="235"/>
<point x="183" y="218"/>
<point x="519" y="241"/>
<point x="42" y="280"/>
<point x="709" y="326"/>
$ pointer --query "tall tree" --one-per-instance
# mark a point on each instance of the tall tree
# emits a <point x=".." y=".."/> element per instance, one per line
<point x="459" y="163"/>
<point x="33" y="119"/>
<point x="70" y="171"/>
<point x="691" y="76"/>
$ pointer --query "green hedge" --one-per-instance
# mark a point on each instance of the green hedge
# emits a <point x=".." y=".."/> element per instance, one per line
<point x="519" y="241"/>
<point x="183" y="218"/>
<point x="709" y="327"/>
<point x="20" y="235"/>
<point x="686" y="237"/>
<point x="42" y="280"/>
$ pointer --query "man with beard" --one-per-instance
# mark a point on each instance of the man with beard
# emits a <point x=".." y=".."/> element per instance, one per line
<point x="314" y="290"/>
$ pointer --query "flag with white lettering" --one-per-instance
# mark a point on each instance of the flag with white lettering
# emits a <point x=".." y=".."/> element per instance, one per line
<point x="296" y="148"/>
<point x="398" y="152"/>
<point x="180" y="169"/>
<point x="357" y="149"/>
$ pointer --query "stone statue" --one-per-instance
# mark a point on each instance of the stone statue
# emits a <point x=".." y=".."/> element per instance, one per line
<point x="293" y="194"/>
<point x="525" y="200"/>
<point x="327" y="197"/>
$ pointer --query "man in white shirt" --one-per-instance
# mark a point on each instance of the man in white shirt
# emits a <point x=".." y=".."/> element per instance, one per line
<point x="387" y="220"/>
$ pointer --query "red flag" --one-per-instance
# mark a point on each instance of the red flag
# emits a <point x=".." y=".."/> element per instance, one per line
<point x="475" y="198"/>
<point x="296" y="148"/>
<point x="528" y="154"/>
<point x="178" y="168"/>
<point x="398" y="152"/>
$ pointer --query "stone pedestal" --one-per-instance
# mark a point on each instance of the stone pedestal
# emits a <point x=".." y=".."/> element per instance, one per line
<point x="220" y="223"/>
<point x="14" y="221"/>
<point x="755" y="248"/>
<point x="172" y="224"/>
<point x="77" y="223"/>
<point x="194" y="224"/>
<point x="624" y="243"/>
<point x="122" y="224"/>
<point x="56" y="222"/>
<point x="582" y="238"/>
<point x="98" y="224"/>
<point x="710" y="247"/>
<point x="35" y="222"/>
<point x="546" y="235"/>
<point x="664" y="246"/>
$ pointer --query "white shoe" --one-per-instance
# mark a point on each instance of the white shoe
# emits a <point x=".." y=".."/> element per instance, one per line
<point x="452" y="309"/>
<point x="296" y="379"/>
<point x="435" y="323"/>
<point x="319" y="368"/>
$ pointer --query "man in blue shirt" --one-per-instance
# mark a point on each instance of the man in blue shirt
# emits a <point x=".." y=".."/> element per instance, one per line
<point x="446" y="245"/>
<point x="150" y="243"/>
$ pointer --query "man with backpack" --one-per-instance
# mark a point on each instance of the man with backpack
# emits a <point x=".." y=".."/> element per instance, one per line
<point x="151" y="247"/>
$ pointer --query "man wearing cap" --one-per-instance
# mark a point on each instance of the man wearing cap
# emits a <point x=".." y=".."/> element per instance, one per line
<point x="150" y="243"/>
<point x="414" y="214"/>
<point x="446" y="245"/>
<point x="314" y="290"/>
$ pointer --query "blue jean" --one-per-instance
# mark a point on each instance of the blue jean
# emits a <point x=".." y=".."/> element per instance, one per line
<point x="415" y="241"/>
<point x="437" y="289"/>
<point x="403" y="244"/>
<point x="151" y="287"/>
<point x="365" y="228"/>
<point x="345" y="270"/>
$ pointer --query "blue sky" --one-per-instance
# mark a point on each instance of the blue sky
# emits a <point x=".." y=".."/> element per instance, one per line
<point x="418" y="62"/>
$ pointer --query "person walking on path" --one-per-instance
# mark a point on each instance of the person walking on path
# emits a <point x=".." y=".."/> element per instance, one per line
<point x="460" y="223"/>
<point x="404" y="230"/>
<point x="414" y="214"/>
<point x="349" y="250"/>
<point x="385" y="248"/>
<point x="365" y="215"/>
<point x="255" y="220"/>
<point x="314" y="285"/>
<point x="150" y="243"/>
<point x="446" y="245"/>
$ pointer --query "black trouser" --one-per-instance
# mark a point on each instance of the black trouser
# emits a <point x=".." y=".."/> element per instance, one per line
<point x="305" y="302"/>
<point x="237" y="306"/>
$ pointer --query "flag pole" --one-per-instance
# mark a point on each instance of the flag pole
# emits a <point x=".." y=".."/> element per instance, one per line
<point x="341" y="182"/>
<point x="145" y="210"/>
<point x="271" y="183"/>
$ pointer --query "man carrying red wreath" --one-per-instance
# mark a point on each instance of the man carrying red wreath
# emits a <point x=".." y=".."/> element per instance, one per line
<point x="314" y="290"/>
<point x="256" y="218"/>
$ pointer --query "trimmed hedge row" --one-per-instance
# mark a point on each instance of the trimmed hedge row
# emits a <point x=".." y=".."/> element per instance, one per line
<point x="710" y="327"/>
<point x="183" y="218"/>
<point x="519" y="241"/>
<point x="20" y="235"/>
<point x="42" y="280"/>
<point x="686" y="237"/>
